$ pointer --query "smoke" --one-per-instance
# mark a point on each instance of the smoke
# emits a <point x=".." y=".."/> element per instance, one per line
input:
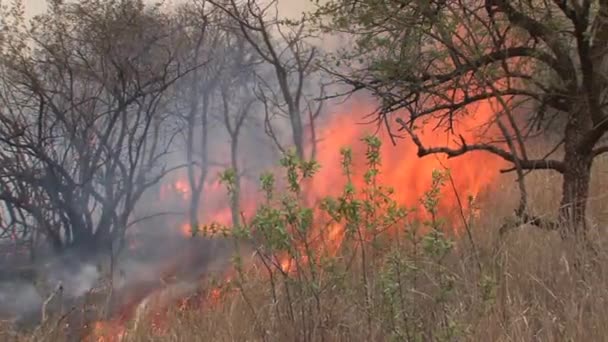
<point x="18" y="298"/>
<point x="157" y="247"/>
<point x="23" y="296"/>
<point x="75" y="284"/>
<point x="137" y="274"/>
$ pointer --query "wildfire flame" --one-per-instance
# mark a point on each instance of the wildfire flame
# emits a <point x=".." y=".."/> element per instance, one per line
<point x="401" y="169"/>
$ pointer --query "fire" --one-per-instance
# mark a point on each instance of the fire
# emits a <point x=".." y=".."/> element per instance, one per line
<point x="182" y="187"/>
<point x="109" y="331"/>
<point x="401" y="169"/>
<point x="215" y="294"/>
<point x="286" y="265"/>
<point x="214" y="212"/>
<point x="186" y="229"/>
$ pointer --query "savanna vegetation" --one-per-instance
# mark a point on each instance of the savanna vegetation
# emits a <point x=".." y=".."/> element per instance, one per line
<point x="103" y="101"/>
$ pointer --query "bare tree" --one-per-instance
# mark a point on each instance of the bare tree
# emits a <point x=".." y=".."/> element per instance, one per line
<point x="82" y="109"/>
<point x="204" y="37"/>
<point x="237" y="104"/>
<point x="282" y="46"/>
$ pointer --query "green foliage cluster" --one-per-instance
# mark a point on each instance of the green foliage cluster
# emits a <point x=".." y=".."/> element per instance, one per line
<point x="377" y="261"/>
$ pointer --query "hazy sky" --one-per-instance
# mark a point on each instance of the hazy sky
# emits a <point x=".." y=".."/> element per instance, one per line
<point x="287" y="7"/>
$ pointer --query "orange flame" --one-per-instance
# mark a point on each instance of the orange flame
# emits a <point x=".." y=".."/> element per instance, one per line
<point x="401" y="169"/>
<point x="109" y="331"/>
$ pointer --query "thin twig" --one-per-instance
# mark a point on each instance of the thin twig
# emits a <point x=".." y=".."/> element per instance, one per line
<point x="463" y="217"/>
<point x="57" y="292"/>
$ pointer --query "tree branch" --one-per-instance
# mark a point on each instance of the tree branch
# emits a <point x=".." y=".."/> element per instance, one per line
<point x="600" y="150"/>
<point x="526" y="164"/>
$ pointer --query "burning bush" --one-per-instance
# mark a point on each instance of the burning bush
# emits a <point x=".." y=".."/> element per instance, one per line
<point x="361" y="243"/>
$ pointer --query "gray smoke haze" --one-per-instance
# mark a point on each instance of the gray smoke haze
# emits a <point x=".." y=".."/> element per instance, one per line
<point x="159" y="249"/>
<point x="185" y="259"/>
<point x="19" y="298"/>
<point x="23" y="297"/>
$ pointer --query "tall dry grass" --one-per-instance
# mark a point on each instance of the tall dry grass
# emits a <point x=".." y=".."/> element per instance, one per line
<point x="527" y="288"/>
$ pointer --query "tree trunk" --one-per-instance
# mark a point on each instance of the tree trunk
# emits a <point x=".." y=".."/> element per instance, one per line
<point x="297" y="131"/>
<point x="196" y="188"/>
<point x="575" y="189"/>
<point x="82" y="237"/>
<point x="193" y="211"/>
<point x="195" y="195"/>
<point x="236" y="196"/>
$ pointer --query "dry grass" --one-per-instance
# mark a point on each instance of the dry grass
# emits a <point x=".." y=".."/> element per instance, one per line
<point x="528" y="289"/>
